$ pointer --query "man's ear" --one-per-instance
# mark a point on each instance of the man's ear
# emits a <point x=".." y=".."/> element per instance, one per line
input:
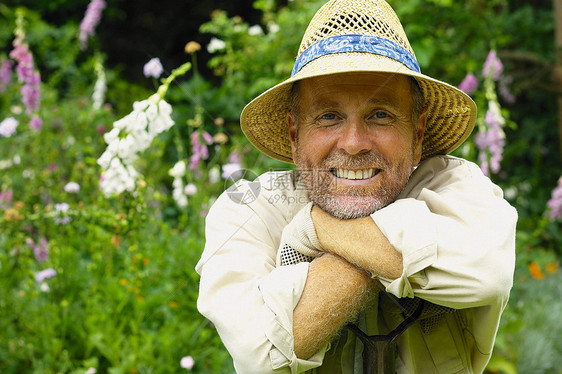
<point x="422" y="119"/>
<point x="292" y="133"/>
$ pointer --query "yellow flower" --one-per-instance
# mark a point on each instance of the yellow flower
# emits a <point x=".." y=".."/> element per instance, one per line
<point x="192" y="47"/>
<point x="173" y="304"/>
<point x="220" y="138"/>
<point x="123" y="282"/>
<point x="12" y="214"/>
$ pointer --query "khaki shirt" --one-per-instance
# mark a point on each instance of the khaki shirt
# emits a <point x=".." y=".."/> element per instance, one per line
<point x="456" y="234"/>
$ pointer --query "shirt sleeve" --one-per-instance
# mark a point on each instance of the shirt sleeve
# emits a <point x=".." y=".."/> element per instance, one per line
<point x="456" y="235"/>
<point x="247" y="298"/>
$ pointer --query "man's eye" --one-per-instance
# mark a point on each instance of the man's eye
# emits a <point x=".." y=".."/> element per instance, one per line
<point x="329" y="116"/>
<point x="381" y="115"/>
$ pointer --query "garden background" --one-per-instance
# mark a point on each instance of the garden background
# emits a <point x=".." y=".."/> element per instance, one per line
<point x="120" y="128"/>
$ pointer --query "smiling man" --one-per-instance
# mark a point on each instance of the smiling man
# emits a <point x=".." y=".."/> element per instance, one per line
<point x="380" y="253"/>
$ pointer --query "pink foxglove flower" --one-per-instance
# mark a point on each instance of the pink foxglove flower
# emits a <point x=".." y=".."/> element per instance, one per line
<point x="469" y="84"/>
<point x="555" y="203"/>
<point x="491" y="140"/>
<point x="27" y="75"/>
<point x="493" y="66"/>
<point x="90" y="21"/>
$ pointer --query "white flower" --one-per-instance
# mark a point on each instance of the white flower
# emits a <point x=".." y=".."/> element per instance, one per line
<point x="178" y="194"/>
<point x="190" y="189"/>
<point x="44" y="287"/>
<point x="130" y="136"/>
<point x="214" y="175"/>
<point x="187" y="362"/>
<point x="8" y="127"/>
<point x="45" y="274"/>
<point x="231" y="170"/>
<point x="111" y="136"/>
<point x="255" y="30"/>
<point x="61" y="218"/>
<point x="273" y="28"/>
<point x="215" y="45"/>
<point x="91" y="371"/>
<point x="72" y="187"/>
<point x="100" y="88"/>
<point x="153" y="68"/>
<point x="178" y="170"/>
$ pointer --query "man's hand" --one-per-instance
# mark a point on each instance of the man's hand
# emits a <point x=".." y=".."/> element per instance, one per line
<point x="359" y="241"/>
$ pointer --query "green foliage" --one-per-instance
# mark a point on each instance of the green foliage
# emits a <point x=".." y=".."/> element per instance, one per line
<point x="124" y="296"/>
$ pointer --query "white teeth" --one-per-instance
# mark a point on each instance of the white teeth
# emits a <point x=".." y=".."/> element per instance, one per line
<point x="354" y="174"/>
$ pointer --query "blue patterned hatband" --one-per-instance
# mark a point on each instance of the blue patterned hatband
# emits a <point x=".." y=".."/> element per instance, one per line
<point x="356" y="43"/>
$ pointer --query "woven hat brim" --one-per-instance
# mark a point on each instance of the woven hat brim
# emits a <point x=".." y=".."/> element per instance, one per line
<point x="451" y="114"/>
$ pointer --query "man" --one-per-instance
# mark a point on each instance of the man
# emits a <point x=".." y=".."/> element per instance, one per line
<point x="376" y="217"/>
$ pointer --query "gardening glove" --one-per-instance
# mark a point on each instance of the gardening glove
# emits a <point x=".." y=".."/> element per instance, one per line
<point x="299" y="241"/>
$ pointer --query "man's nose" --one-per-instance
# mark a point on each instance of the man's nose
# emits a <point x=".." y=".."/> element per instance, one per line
<point x="354" y="138"/>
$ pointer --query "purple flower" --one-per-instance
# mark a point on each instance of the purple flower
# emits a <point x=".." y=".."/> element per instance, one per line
<point x="492" y="66"/>
<point x="8" y="127"/>
<point x="555" y="202"/>
<point x="207" y="138"/>
<point x="491" y="140"/>
<point x="90" y="21"/>
<point x="469" y="84"/>
<point x="36" y="122"/>
<point x="199" y="151"/>
<point x="6" y="199"/>
<point x="39" y="249"/>
<point x="6" y="74"/>
<point x="26" y="75"/>
<point x="153" y="68"/>
<point x="235" y="157"/>
<point x="45" y="274"/>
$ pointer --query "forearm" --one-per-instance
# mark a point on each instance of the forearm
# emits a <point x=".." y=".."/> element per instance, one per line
<point x="360" y="242"/>
<point x="335" y="291"/>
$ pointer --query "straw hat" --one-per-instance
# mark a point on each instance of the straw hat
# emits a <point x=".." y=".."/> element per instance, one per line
<point x="358" y="36"/>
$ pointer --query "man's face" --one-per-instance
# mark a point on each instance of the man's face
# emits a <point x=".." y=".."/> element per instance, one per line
<point x="354" y="141"/>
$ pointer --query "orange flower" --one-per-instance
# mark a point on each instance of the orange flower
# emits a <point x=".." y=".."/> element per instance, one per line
<point x="116" y="241"/>
<point x="552" y="268"/>
<point x="173" y="304"/>
<point x="535" y="270"/>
